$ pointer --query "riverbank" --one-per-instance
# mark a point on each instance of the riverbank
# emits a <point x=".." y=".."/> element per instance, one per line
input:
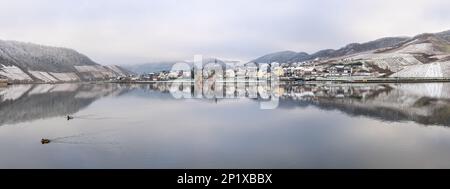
<point x="292" y="81"/>
<point x="334" y="80"/>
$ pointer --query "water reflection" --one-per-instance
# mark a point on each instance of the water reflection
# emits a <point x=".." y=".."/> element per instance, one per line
<point x="20" y="103"/>
<point x="427" y="104"/>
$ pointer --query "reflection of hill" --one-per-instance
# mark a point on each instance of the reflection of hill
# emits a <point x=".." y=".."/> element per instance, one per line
<point x="436" y="116"/>
<point x="427" y="104"/>
<point x="27" y="102"/>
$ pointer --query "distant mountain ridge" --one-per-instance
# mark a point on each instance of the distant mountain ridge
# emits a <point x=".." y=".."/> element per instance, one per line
<point x="291" y="56"/>
<point x="153" y="67"/>
<point x="445" y="35"/>
<point x="28" y="62"/>
<point x="150" y="67"/>
<point x="283" y="56"/>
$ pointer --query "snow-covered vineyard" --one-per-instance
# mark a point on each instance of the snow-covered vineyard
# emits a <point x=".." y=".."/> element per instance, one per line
<point x="405" y="61"/>
<point x="25" y="62"/>
<point x="14" y="73"/>
<point x="440" y="69"/>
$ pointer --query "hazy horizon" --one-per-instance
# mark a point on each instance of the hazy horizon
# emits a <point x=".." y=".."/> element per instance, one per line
<point x="134" y="32"/>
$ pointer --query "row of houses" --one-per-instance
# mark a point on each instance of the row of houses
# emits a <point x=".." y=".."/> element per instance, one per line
<point x="310" y="70"/>
<point x="334" y="70"/>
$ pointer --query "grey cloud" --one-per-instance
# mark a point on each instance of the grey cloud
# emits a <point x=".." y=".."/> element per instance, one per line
<point x="119" y="31"/>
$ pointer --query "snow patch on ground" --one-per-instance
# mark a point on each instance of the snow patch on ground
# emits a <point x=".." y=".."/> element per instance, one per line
<point x="116" y="69"/>
<point x="70" y="76"/>
<point x="14" y="73"/>
<point x="411" y="42"/>
<point x="395" y="63"/>
<point x="392" y="61"/>
<point x="426" y="48"/>
<point x="44" y="76"/>
<point x="87" y="68"/>
<point x="97" y="71"/>
<point x="423" y="70"/>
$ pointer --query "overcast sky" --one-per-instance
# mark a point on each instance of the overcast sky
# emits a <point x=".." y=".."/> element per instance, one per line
<point x="138" y="31"/>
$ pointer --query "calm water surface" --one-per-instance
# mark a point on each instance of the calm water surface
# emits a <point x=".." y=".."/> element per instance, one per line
<point x="144" y="126"/>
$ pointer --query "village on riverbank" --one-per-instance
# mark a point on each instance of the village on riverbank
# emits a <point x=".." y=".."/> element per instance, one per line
<point x="343" y="71"/>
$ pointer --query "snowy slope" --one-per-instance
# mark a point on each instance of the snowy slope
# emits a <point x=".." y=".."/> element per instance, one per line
<point x="28" y="62"/>
<point x="14" y="73"/>
<point x="424" y="55"/>
<point x="423" y="70"/>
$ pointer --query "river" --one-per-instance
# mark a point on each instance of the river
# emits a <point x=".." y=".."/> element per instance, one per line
<point x="243" y="125"/>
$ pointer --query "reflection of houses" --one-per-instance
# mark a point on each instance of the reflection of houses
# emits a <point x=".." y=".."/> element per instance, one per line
<point x="314" y="92"/>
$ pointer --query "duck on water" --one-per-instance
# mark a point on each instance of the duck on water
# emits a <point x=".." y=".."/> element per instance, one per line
<point x="46" y="140"/>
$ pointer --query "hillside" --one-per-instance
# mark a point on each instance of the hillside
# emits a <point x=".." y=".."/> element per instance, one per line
<point x="424" y="55"/>
<point x="27" y="62"/>
<point x="150" y="67"/>
<point x="445" y="35"/>
<point x="284" y="56"/>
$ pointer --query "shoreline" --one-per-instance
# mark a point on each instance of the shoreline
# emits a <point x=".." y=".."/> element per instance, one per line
<point x="291" y="81"/>
<point x="373" y="80"/>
